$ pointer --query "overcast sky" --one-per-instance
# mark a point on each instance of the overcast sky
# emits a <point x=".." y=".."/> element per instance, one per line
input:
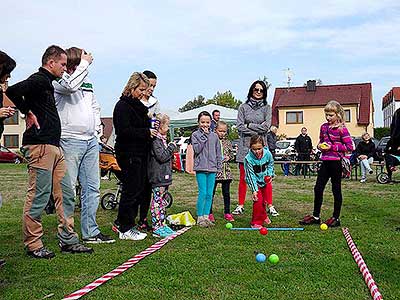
<point x="201" y="47"/>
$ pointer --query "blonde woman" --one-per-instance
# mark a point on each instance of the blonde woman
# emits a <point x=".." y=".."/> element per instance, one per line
<point x="132" y="148"/>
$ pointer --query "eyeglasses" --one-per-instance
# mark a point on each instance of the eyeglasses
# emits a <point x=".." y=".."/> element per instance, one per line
<point x="258" y="90"/>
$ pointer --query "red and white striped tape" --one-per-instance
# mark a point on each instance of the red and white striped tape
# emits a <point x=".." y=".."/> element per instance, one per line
<point x="373" y="288"/>
<point x="125" y="266"/>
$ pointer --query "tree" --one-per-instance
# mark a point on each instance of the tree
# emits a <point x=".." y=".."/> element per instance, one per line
<point x="318" y="82"/>
<point x="380" y="132"/>
<point x="198" y="101"/>
<point x="265" y="79"/>
<point x="225" y="99"/>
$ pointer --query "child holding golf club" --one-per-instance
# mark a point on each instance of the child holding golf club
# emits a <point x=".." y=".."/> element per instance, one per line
<point x="259" y="171"/>
<point x="334" y="142"/>
<point x="160" y="176"/>
<point x="207" y="162"/>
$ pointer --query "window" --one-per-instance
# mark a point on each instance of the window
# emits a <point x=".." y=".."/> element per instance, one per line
<point x="294" y="117"/>
<point x="347" y="115"/>
<point x="11" y="140"/>
<point x="12" y="120"/>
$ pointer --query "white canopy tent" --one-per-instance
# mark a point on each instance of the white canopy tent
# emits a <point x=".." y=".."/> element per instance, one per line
<point x="189" y="118"/>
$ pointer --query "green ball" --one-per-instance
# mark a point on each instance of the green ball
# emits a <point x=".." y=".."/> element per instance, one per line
<point x="273" y="259"/>
<point x="228" y="225"/>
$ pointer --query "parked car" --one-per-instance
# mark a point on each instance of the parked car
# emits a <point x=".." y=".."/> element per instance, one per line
<point x="182" y="143"/>
<point x="7" y="156"/>
<point x="235" y="147"/>
<point x="380" y="148"/>
<point x="285" y="147"/>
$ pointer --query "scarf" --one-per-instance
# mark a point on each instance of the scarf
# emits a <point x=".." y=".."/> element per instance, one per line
<point x="163" y="138"/>
<point x="255" y="104"/>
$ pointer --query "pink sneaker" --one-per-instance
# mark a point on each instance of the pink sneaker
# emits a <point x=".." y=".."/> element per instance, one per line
<point x="211" y="218"/>
<point x="229" y="217"/>
<point x="258" y="226"/>
<point x="267" y="220"/>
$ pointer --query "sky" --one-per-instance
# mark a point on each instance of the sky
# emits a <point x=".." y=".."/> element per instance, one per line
<point x="202" y="47"/>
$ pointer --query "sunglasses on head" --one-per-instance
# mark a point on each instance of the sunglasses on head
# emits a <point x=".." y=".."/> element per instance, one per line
<point x="258" y="90"/>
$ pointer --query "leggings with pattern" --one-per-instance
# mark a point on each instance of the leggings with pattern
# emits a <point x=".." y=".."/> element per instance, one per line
<point x="157" y="207"/>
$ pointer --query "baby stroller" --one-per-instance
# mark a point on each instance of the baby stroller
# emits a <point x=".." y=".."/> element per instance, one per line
<point x="108" y="165"/>
<point x="391" y="162"/>
<point x="392" y="159"/>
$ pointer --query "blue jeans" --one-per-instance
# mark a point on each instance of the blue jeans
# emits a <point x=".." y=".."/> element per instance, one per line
<point x="365" y="166"/>
<point x="205" y="182"/>
<point x="82" y="158"/>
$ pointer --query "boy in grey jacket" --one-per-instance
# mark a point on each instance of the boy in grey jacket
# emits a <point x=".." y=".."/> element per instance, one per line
<point x="160" y="176"/>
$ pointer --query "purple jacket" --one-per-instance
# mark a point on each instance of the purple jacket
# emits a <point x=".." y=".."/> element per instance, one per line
<point x="339" y="139"/>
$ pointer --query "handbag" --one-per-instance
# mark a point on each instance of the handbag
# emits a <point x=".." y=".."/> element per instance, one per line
<point x="346" y="165"/>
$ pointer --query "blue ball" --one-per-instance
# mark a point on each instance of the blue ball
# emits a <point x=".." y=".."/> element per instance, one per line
<point x="260" y="257"/>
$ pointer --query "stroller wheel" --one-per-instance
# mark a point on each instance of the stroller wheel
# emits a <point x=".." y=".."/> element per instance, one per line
<point x="168" y="199"/>
<point x="108" y="201"/>
<point x="382" y="178"/>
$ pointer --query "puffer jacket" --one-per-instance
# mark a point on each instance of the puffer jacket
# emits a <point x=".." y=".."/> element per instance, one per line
<point x="160" y="171"/>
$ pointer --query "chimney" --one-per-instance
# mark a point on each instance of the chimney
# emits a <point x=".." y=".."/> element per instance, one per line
<point x="311" y="85"/>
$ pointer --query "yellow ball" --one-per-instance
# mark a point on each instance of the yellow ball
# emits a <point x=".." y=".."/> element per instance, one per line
<point x="324" y="226"/>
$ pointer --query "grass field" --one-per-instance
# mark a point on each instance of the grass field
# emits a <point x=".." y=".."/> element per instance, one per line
<point x="214" y="263"/>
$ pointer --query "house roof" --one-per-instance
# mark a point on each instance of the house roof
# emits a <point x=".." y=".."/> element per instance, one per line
<point x="108" y="126"/>
<point x="392" y="95"/>
<point x="7" y="101"/>
<point x="346" y="94"/>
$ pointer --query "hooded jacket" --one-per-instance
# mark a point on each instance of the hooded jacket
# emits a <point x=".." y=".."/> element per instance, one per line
<point x="76" y="104"/>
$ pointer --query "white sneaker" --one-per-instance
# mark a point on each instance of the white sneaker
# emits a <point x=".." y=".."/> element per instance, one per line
<point x="273" y="211"/>
<point x="363" y="180"/>
<point x="132" y="234"/>
<point x="239" y="210"/>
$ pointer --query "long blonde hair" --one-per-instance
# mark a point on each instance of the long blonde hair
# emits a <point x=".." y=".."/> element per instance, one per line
<point x="134" y="82"/>
<point x="335" y="107"/>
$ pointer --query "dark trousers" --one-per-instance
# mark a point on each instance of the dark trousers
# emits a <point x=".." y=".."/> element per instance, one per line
<point x="391" y="161"/>
<point x="134" y="177"/>
<point x="144" y="205"/>
<point x="329" y="169"/>
<point x="302" y="157"/>
<point x="225" y="186"/>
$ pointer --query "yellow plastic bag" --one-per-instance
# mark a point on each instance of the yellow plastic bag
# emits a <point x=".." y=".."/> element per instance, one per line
<point x="183" y="218"/>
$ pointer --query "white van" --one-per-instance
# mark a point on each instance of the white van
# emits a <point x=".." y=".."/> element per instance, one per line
<point x="285" y="147"/>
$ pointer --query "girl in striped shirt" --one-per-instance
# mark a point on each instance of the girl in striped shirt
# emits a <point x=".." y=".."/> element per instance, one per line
<point x="334" y="142"/>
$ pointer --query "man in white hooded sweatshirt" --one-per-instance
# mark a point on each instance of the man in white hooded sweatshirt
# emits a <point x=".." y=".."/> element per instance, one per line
<point x="80" y="125"/>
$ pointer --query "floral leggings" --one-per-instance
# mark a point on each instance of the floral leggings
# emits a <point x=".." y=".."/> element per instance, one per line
<point x="157" y="207"/>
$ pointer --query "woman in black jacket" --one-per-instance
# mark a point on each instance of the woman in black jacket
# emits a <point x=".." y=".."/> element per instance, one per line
<point x="132" y="148"/>
<point x="365" y="154"/>
<point x="7" y="64"/>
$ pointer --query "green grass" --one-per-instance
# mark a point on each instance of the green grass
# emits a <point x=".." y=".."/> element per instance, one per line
<point x="214" y="263"/>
